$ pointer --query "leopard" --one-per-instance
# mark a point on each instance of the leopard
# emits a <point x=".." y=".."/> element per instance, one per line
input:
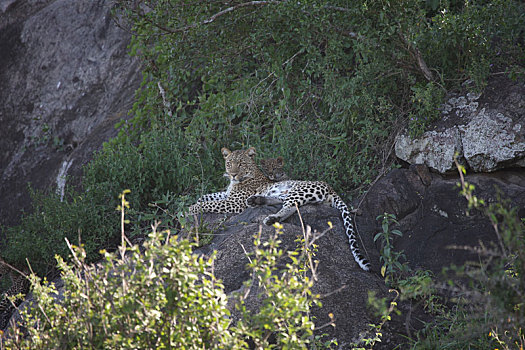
<point x="245" y="179"/>
<point x="273" y="168"/>
<point x="250" y="187"/>
<point x="19" y="285"/>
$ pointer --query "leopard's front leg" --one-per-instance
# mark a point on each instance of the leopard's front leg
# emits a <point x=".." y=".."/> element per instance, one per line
<point x="286" y="211"/>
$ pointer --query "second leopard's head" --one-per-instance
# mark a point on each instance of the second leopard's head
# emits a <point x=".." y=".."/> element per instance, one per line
<point x="273" y="168"/>
<point x="240" y="165"/>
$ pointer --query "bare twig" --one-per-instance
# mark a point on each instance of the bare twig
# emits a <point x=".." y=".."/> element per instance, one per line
<point x="165" y="102"/>
<point x="333" y="292"/>
<point x="337" y="8"/>
<point x="233" y="8"/>
<point x="328" y="324"/>
<point x="213" y="17"/>
<point x="419" y="58"/>
<point x="12" y="267"/>
<point x="73" y="253"/>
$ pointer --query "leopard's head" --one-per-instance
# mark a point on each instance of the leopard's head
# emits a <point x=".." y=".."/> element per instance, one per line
<point x="240" y="165"/>
<point x="273" y="168"/>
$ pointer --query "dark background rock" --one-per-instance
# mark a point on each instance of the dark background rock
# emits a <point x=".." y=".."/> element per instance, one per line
<point x="433" y="216"/>
<point x="65" y="80"/>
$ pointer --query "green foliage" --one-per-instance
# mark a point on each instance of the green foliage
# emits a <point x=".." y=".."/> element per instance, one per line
<point x="421" y="286"/>
<point x="384" y="310"/>
<point x="330" y="77"/>
<point x="425" y="100"/>
<point x="41" y="234"/>
<point x="284" y="310"/>
<point x="160" y="162"/>
<point x="390" y="258"/>
<point x="168" y="297"/>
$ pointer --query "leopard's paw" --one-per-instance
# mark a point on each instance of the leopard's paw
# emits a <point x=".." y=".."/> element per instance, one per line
<point x="270" y="220"/>
<point x="255" y="201"/>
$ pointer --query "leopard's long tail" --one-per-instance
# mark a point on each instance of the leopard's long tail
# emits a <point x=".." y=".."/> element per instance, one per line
<point x="338" y="203"/>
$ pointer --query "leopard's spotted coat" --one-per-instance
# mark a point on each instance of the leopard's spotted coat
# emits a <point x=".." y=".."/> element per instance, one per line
<point x="249" y="187"/>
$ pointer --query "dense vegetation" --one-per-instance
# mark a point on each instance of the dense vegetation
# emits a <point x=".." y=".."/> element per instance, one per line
<point x="325" y="84"/>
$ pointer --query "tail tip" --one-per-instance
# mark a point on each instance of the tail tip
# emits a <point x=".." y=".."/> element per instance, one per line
<point x="365" y="265"/>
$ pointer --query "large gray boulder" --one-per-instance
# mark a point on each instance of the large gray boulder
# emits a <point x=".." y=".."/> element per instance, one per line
<point x="342" y="283"/>
<point x="487" y="132"/>
<point x="66" y="79"/>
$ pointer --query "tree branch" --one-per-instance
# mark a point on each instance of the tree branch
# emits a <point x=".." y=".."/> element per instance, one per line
<point x="233" y="8"/>
<point x="419" y="58"/>
<point x="218" y="14"/>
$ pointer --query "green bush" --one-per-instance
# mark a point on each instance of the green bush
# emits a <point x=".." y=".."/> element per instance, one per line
<point x="157" y="167"/>
<point x="40" y="236"/>
<point x="168" y="297"/>
<point x="335" y="78"/>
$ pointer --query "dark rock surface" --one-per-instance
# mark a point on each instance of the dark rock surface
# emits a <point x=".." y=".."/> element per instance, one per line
<point x="342" y="283"/>
<point x="432" y="216"/>
<point x="65" y="80"/>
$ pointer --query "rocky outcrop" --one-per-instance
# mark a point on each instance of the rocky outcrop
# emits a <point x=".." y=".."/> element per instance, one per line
<point x="343" y="283"/>
<point x="66" y="79"/>
<point x="487" y="132"/>
<point x="433" y="217"/>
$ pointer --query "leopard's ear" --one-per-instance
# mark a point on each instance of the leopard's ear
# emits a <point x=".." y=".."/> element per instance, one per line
<point x="250" y="152"/>
<point x="280" y="161"/>
<point x="264" y="162"/>
<point x="225" y="152"/>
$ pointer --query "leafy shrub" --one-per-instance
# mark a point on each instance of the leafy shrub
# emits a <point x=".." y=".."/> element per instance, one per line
<point x="390" y="258"/>
<point x="40" y="236"/>
<point x="157" y="167"/>
<point x="167" y="297"/>
<point x="337" y="79"/>
<point x="425" y="100"/>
